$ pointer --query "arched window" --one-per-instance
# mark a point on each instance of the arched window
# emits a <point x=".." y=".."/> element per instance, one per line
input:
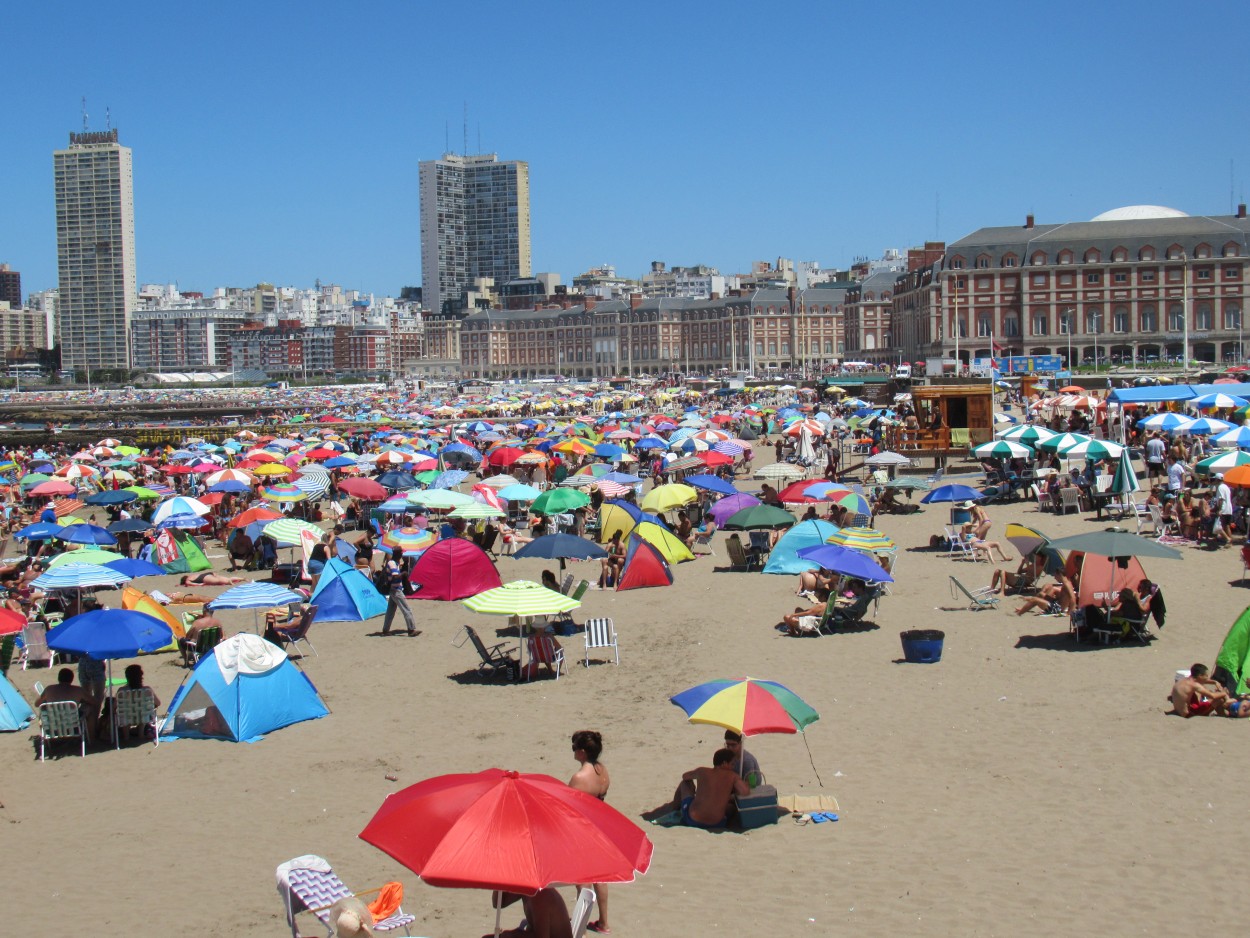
<point x="1119" y="254"/>
<point x="1232" y="316"/>
<point x="1120" y="322"/>
<point x="1065" y="257"/>
<point x="1231" y="249"/>
<point x="1040" y="322"/>
<point x="1176" y="317"/>
<point x="1093" y="256"/>
<point x="1149" y="319"/>
<point x="1204" y="317"/>
<point x="983" y="260"/>
<point x="1093" y="320"/>
<point x="1038" y="258"/>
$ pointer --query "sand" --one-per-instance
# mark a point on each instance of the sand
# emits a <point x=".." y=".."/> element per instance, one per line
<point x="1022" y="786"/>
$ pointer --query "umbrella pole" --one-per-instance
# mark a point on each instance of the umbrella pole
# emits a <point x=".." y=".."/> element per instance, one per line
<point x="498" y="910"/>
<point x="112" y="705"/>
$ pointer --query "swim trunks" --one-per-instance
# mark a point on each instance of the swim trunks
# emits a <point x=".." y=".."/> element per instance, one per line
<point x="1234" y="708"/>
<point x="691" y="822"/>
<point x="1201" y="708"/>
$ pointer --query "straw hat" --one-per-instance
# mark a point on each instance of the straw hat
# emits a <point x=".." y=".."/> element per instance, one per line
<point x="351" y="918"/>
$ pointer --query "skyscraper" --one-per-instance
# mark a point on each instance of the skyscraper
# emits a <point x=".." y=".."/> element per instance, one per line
<point x="95" y="248"/>
<point x="475" y="222"/>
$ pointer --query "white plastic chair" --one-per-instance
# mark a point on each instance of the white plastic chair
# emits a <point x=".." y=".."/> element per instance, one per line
<point x="601" y="633"/>
<point x="959" y="546"/>
<point x="544" y="651"/>
<point x="35" y="646"/>
<point x="582" y="910"/>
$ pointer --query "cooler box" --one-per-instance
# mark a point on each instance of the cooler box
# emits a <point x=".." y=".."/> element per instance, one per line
<point x="758" y="808"/>
<point x="288" y="573"/>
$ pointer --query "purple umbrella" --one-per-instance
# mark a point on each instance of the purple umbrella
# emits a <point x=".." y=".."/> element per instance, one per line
<point x="731" y="505"/>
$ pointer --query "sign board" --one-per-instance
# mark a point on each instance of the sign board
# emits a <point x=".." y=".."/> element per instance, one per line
<point x="1063" y="376"/>
<point x="1029" y="364"/>
<point x="982" y="367"/>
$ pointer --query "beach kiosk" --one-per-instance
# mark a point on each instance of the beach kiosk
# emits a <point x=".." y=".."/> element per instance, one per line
<point x="967" y="414"/>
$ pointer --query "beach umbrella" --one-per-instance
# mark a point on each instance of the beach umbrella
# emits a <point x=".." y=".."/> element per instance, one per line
<point x="477" y="510"/>
<point x="507" y="831"/>
<point x="85" y="555"/>
<point x="179" y="505"/>
<point x="500" y="481"/>
<point x="228" y="475"/>
<point x="518" y="492"/>
<point x="1062" y="441"/>
<point x="1237" y="436"/>
<point x="53" y="487"/>
<point x="440" y="499"/>
<point x="954" y="492"/>
<point x="39" y="531"/>
<point x="1024" y="538"/>
<point x="846" y="562"/>
<point x="1124" y="482"/>
<point x="11" y="621"/>
<point x="286" y="531"/>
<point x="1116" y="542"/>
<point x="88" y="534"/>
<point x="1222" y="462"/>
<point x="283" y="492"/>
<point x="868" y="539"/>
<point x="780" y="470"/>
<point x="255" y="596"/>
<point x="759" y="517"/>
<point x="887" y="459"/>
<point x="748" y="706"/>
<point x="1093" y="450"/>
<point x="1206" y="425"/>
<point x="668" y="497"/>
<point x="135" y="568"/>
<point x="409" y="541"/>
<point x="853" y="502"/>
<point x="395" y="479"/>
<point x="367" y="489"/>
<point x="559" y="500"/>
<point x="561" y="547"/>
<point x="110" y="497"/>
<point x="79" y="576"/>
<point x="1029" y="434"/>
<point x="449" y="478"/>
<point x="1218" y="401"/>
<point x="129" y="526"/>
<point x="258" y="513"/>
<point x="711" y="483"/>
<point x="1166" y="421"/>
<point x="1002" y="449"/>
<point x="521" y="598"/>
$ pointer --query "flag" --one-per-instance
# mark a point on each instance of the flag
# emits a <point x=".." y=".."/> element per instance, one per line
<point x="166" y="549"/>
<point x="488" y="496"/>
<point x="307" y="541"/>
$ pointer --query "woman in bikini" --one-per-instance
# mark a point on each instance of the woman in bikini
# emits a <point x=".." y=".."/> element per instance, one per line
<point x="592" y="778"/>
<point x="209" y="579"/>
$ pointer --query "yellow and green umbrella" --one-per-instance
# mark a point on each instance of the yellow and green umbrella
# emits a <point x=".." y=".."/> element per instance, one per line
<point x="868" y="539"/>
<point x="521" y="598"/>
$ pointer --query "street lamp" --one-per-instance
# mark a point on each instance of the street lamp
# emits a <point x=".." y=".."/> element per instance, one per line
<point x="1067" y="327"/>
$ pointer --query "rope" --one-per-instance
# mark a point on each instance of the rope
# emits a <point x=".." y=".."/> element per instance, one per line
<point x="812" y="761"/>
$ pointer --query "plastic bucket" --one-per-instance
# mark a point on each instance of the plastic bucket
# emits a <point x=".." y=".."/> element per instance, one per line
<point x="922" y="646"/>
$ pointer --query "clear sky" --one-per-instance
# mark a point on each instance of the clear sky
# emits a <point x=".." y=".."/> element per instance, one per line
<point x="279" y="141"/>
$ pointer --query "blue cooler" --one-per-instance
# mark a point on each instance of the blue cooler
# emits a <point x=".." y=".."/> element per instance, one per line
<point x="922" y="646"/>
<point x="758" y="809"/>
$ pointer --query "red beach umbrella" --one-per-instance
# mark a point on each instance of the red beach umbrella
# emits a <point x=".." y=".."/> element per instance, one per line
<point x="365" y="489"/>
<point x="506" y="830"/>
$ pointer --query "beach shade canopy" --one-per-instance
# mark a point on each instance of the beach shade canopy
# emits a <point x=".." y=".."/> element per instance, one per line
<point x="87" y="534"/>
<point x="868" y="539"/>
<point x="1116" y="542"/>
<point x="245" y="688"/>
<point x="1002" y="449"/>
<point x="846" y="562"/>
<point x="521" y="598"/>
<point x="96" y="555"/>
<point x="561" y="547"/>
<point x="644" y="566"/>
<point x="507" y="831"/>
<point x="748" y="706"/>
<point x="1027" y="540"/>
<point x="1062" y="441"/>
<point x="725" y="508"/>
<point x="619" y="517"/>
<point x="670" y="546"/>
<point x="1030" y="434"/>
<point x="711" y="484"/>
<point x="15" y="712"/>
<point x="255" y="596"/>
<point x="365" y="489"/>
<point x="668" y="497"/>
<point x="558" y="500"/>
<point x="139" y="601"/>
<point x="1101" y="578"/>
<point x="759" y="518"/>
<point x="454" y="568"/>
<point x="1093" y="450"/>
<point x="286" y="531"/>
<point x="78" y="576"/>
<point x="785" y="556"/>
<point x="39" y="531"/>
<point x="441" y="499"/>
<point x="953" y="492"/>
<point x="345" y="594"/>
<point x="1234" y="655"/>
<point x="110" y="633"/>
<point x="110" y="497"/>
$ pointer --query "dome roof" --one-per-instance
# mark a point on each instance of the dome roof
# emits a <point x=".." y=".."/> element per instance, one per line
<point x="1139" y="212"/>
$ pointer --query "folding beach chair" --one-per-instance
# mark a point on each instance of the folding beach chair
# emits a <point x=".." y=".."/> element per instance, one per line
<point x="35" y="646"/>
<point x="134" y="707"/>
<point x="294" y="634"/>
<point x="309" y="884"/>
<point x="494" y="662"/>
<point x="544" y="651"/>
<point x="982" y="598"/>
<point x="959" y="544"/>
<point x="61" y="720"/>
<point x="739" y="559"/>
<point x="583" y="908"/>
<point x="601" y="633"/>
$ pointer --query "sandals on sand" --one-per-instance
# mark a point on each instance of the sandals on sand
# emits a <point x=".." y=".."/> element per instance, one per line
<point x="598" y="929"/>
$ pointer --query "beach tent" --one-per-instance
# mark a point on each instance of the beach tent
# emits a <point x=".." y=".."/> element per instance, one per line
<point x="783" y="558"/>
<point x="140" y="601"/>
<point x="1231" y="664"/>
<point x="453" y="569"/>
<point x="246" y="688"/>
<point x="617" y="516"/>
<point x="663" y="540"/>
<point x="177" y="551"/>
<point x="15" y="712"/>
<point x="1102" y="578"/>
<point x="344" y="594"/>
<point x="644" y="566"/>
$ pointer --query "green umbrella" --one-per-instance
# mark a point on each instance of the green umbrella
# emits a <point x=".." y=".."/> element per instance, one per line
<point x="1030" y="434"/>
<point x="1002" y="449"/>
<point x="1062" y="441"/>
<point x="286" y="531"/>
<point x="440" y="499"/>
<point x="1092" y="450"/>
<point x="1116" y="542"/>
<point x="142" y="492"/>
<point x="759" y="518"/>
<point x="1124" y="482"/>
<point x="555" y="501"/>
<point x="85" y="555"/>
<point x="33" y="478"/>
<point x="521" y="598"/>
<point x="1222" y="462"/>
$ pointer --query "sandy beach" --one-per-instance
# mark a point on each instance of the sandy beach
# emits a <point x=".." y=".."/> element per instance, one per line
<point x="1025" y="785"/>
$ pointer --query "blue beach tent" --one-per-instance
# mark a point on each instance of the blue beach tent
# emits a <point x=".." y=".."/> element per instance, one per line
<point x="344" y="594"/>
<point x="15" y="712"/>
<point x="784" y="556"/>
<point x="244" y="689"/>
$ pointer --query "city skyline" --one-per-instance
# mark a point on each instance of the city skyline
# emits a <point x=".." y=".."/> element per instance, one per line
<point x="803" y="132"/>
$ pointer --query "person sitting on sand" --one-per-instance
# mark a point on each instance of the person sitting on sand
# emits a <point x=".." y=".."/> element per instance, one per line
<point x="705" y="793"/>
<point x="1026" y="575"/>
<point x="209" y="579"/>
<point x="546" y="915"/>
<point x="1052" y="600"/>
<point x="685" y="530"/>
<point x="1200" y="696"/>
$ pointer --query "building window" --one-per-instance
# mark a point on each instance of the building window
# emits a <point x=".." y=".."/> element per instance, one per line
<point x="985" y="324"/>
<point x="772" y="348"/>
<point x="983" y="261"/>
<point x="1065" y="257"/>
<point x="1092" y="256"/>
<point x="1149" y="317"/>
<point x="1230" y="249"/>
<point x="1120" y="319"/>
<point x="1067" y="322"/>
<point x="1232" y="271"/>
<point x="1120" y="277"/>
<point x="1146" y="276"/>
<point x="1039" y="258"/>
<point x="1093" y="276"/>
<point x="1009" y="260"/>
<point x="1065" y="280"/>
<point x="1203" y="273"/>
<point x="963" y="327"/>
<point x="1093" y="320"/>
<point x="957" y="263"/>
<point x="1204" y="318"/>
<point x="1176" y="318"/>
<point x="984" y="283"/>
<point x="1041" y="325"/>
<point x="1146" y="254"/>
<point x="1011" y="325"/>
<point x="1039" y="280"/>
<point x="1232" y="316"/>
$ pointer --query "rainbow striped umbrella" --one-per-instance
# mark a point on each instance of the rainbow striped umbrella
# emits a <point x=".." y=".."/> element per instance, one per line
<point x="868" y="539"/>
<point x="748" y="706"/>
<point x="409" y="540"/>
<point x="855" y="503"/>
<point x="283" y="492"/>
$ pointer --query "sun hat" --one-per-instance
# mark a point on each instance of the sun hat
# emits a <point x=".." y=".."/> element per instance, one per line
<point x="968" y="504"/>
<point x="1219" y="475"/>
<point x="351" y="918"/>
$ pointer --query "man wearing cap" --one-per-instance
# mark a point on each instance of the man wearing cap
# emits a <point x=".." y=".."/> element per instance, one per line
<point x="1221" y="531"/>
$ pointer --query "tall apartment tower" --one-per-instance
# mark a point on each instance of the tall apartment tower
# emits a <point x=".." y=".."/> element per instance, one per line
<point x="95" y="248"/>
<point x="10" y="287"/>
<point x="475" y="222"/>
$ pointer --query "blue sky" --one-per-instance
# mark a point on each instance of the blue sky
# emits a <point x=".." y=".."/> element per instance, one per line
<point x="279" y="141"/>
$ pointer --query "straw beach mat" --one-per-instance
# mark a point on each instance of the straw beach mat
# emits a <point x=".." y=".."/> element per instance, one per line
<point x="808" y="804"/>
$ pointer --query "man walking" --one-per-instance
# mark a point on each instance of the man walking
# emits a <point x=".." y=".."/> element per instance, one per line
<point x="395" y="599"/>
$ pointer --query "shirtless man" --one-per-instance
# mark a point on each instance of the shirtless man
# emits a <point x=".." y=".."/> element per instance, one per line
<point x="704" y="794"/>
<point x="66" y="689"/>
<point x="1057" y="598"/>
<point x="546" y="915"/>
<point x="1199" y="696"/>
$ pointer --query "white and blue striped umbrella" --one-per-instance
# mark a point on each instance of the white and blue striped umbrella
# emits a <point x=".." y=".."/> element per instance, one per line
<point x="1238" y="436"/>
<point x="179" y="505"/>
<point x="255" y="596"/>
<point x="316" y="486"/>
<point x="78" y="576"/>
<point x="1206" y="401"/>
<point x="1205" y="425"/>
<point x="728" y="447"/>
<point x="1166" y="421"/>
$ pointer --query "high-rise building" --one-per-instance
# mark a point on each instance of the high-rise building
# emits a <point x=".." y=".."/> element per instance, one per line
<point x="475" y="223"/>
<point x="10" y="287"/>
<point x="95" y="247"/>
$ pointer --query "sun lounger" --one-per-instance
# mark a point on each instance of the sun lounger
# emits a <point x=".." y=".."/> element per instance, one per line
<point x="309" y="884"/>
<point x="982" y="598"/>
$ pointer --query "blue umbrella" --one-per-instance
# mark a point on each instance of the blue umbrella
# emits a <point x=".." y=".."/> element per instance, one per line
<point x="711" y="483"/>
<point x="87" y="534"/>
<point x="230" y="485"/>
<point x="395" y="479"/>
<point x="609" y="451"/>
<point x="39" y="531"/>
<point x="462" y="449"/>
<point x="184" y="521"/>
<point x="651" y="442"/>
<point x="78" y="576"/>
<point x="621" y="478"/>
<point x="338" y="462"/>
<point x="561" y="547"/>
<point x="129" y="526"/>
<point x="952" y="493"/>
<point x="110" y="633"/>
<point x="111" y="497"/>
<point x="845" y="561"/>
<point x="448" y="479"/>
<point x="135" y="568"/>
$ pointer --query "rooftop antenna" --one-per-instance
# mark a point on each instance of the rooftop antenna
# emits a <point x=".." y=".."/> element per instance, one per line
<point x="1232" y="206"/>
<point x="84" y="114"/>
